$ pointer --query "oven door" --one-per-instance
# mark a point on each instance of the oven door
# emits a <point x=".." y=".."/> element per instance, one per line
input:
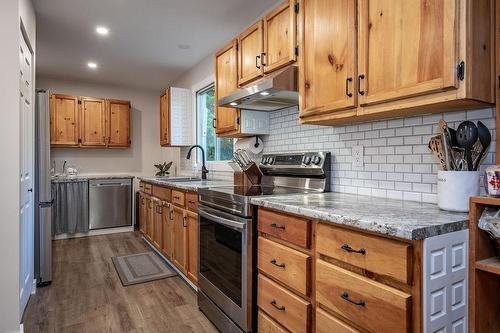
<point x="225" y="267"/>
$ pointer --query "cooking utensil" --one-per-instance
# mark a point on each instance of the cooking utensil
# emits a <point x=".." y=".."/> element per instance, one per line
<point x="485" y="139"/>
<point x="436" y="145"/>
<point x="467" y="135"/>
<point x="446" y="143"/>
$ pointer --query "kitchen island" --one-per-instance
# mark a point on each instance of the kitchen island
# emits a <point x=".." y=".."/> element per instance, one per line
<point x="339" y="262"/>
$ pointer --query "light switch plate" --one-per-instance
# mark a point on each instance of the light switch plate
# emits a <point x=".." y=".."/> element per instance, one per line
<point x="358" y="156"/>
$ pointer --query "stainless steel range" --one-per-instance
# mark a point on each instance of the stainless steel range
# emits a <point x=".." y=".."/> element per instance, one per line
<point x="227" y="244"/>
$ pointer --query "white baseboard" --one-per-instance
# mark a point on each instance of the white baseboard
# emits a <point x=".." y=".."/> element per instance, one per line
<point x="95" y="232"/>
<point x="182" y="276"/>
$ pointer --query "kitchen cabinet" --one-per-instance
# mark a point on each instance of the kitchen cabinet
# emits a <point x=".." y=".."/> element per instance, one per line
<point x="328" y="64"/>
<point x="168" y="230"/>
<point x="158" y="223"/>
<point x="179" y="256"/>
<point x="118" y="123"/>
<point x="87" y="122"/>
<point x="250" y="50"/>
<point x="226" y="81"/>
<point x="142" y="213"/>
<point x="149" y="219"/>
<point x="93" y="118"/>
<point x="176" y="117"/>
<point x="441" y="59"/>
<point x="64" y="120"/>
<point x="280" y="37"/>
<point x="192" y="236"/>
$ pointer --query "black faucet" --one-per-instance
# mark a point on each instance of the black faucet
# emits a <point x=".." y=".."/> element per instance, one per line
<point x="204" y="170"/>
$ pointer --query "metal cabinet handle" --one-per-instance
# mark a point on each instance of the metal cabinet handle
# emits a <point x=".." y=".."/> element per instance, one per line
<point x="171" y="217"/>
<point x="347" y="81"/>
<point x="345" y="296"/>
<point x="257" y="58"/>
<point x="278" y="226"/>
<point x="263" y="54"/>
<point x="361" y="77"/>
<point x="347" y="248"/>
<point x="177" y="198"/>
<point x="275" y="304"/>
<point x="184" y="223"/>
<point x="143" y="201"/>
<point x="191" y="202"/>
<point x="275" y="263"/>
<point x="214" y="124"/>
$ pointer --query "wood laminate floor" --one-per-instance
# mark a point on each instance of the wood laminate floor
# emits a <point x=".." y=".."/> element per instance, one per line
<point x="86" y="294"/>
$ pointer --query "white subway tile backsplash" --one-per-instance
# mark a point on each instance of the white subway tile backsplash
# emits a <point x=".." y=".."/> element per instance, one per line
<point x="397" y="164"/>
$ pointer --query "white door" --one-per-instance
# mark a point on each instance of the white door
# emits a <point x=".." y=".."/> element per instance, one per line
<point x="26" y="228"/>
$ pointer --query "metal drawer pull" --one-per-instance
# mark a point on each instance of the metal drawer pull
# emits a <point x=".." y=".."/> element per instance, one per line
<point x="347" y="248"/>
<point x="177" y="198"/>
<point x="349" y="94"/>
<point x="345" y="296"/>
<point x="171" y="214"/>
<point x="277" y="226"/>
<point x="275" y="263"/>
<point x="280" y="308"/>
<point x="361" y="77"/>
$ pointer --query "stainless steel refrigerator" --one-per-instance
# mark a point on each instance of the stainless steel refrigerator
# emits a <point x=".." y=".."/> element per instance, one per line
<point x="43" y="193"/>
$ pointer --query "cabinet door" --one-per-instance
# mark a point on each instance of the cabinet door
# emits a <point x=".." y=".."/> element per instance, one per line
<point x="93" y="115"/>
<point x="180" y="239"/>
<point x="327" y="79"/>
<point x="226" y="81"/>
<point x="406" y="48"/>
<point x="192" y="231"/>
<point x="250" y="49"/>
<point x="165" y="118"/>
<point x="158" y="223"/>
<point x="118" y="123"/>
<point x="143" y="214"/>
<point x="63" y="120"/>
<point x="168" y="230"/>
<point x="149" y="220"/>
<point x="280" y="37"/>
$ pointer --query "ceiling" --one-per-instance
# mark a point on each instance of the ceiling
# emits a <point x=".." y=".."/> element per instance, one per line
<point x="142" y="48"/>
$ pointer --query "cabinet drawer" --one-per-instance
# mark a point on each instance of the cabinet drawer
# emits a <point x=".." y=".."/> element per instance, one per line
<point x="326" y="323"/>
<point x="192" y="202"/>
<point x="362" y="300"/>
<point x="293" y="229"/>
<point x="376" y="254"/>
<point x="267" y="325"/>
<point x="162" y="193"/>
<point x="284" y="264"/>
<point x="148" y="188"/>
<point x="287" y="309"/>
<point x="178" y="198"/>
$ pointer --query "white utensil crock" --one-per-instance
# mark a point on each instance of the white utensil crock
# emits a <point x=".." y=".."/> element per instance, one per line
<point x="455" y="188"/>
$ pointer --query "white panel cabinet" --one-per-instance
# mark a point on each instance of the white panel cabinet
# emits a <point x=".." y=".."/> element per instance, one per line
<point x="446" y="282"/>
<point x="176" y="117"/>
<point x="254" y="122"/>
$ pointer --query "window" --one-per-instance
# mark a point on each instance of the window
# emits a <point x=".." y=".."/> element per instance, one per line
<point x="217" y="149"/>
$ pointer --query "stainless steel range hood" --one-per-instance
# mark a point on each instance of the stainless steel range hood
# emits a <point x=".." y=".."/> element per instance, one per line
<point x="276" y="91"/>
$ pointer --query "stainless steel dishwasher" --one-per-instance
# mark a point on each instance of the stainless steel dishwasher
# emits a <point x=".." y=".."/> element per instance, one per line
<point x="110" y="203"/>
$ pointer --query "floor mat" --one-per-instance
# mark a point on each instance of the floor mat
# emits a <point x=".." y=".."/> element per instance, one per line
<point x="141" y="267"/>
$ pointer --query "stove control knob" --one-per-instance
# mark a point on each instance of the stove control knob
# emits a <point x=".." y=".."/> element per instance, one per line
<point x="307" y="160"/>
<point x="263" y="161"/>
<point x="270" y="160"/>
<point x="316" y="159"/>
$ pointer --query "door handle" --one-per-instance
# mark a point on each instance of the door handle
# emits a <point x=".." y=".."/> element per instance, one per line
<point x="275" y="263"/>
<point x="361" y="77"/>
<point x="345" y="296"/>
<point x="347" y="248"/>
<point x="257" y="58"/>
<point x="263" y="54"/>
<point x="30" y="190"/>
<point x="275" y="304"/>
<point x="278" y="226"/>
<point x="347" y="92"/>
<point x="214" y="124"/>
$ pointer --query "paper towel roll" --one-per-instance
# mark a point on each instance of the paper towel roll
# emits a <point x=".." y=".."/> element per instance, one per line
<point x="249" y="144"/>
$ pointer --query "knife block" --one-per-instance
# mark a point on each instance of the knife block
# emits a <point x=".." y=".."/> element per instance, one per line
<point x="241" y="179"/>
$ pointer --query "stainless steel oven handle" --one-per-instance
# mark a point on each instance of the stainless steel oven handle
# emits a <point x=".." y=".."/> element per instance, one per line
<point x="221" y="220"/>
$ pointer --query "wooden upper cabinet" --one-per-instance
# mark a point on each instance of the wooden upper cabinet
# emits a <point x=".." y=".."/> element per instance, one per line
<point x="226" y="81"/>
<point x="118" y="123"/>
<point x="250" y="50"/>
<point x="93" y="119"/>
<point x="402" y="60"/>
<point x="164" y="118"/>
<point x="280" y="37"/>
<point x="328" y="65"/>
<point x="64" y="120"/>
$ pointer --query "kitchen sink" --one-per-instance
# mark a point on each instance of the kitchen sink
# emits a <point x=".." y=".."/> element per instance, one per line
<point x="179" y="179"/>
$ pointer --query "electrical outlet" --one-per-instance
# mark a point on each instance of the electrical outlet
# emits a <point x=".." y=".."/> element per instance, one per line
<point x="358" y="156"/>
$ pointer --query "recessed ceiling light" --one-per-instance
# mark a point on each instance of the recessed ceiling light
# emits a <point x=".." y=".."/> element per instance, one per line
<point x="233" y="103"/>
<point x="264" y="93"/>
<point x="184" y="46"/>
<point x="92" y="65"/>
<point x="102" y="30"/>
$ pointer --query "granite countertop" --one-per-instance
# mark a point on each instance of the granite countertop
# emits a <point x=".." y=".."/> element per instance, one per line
<point x="85" y="178"/>
<point x="401" y="219"/>
<point x="192" y="185"/>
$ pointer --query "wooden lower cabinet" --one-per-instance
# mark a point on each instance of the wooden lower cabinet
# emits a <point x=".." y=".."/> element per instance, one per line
<point x="192" y="235"/>
<point x="157" y="222"/>
<point x="266" y="325"/>
<point x="179" y="255"/>
<point x="149" y="219"/>
<point x="168" y="230"/>
<point x="143" y="214"/>
<point x="326" y="323"/>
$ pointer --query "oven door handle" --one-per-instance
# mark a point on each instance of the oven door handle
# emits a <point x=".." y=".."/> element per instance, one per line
<point x="228" y="223"/>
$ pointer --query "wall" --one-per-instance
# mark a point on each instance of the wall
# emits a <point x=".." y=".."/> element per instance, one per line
<point x="145" y="128"/>
<point x="10" y="14"/>
<point x="398" y="164"/>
